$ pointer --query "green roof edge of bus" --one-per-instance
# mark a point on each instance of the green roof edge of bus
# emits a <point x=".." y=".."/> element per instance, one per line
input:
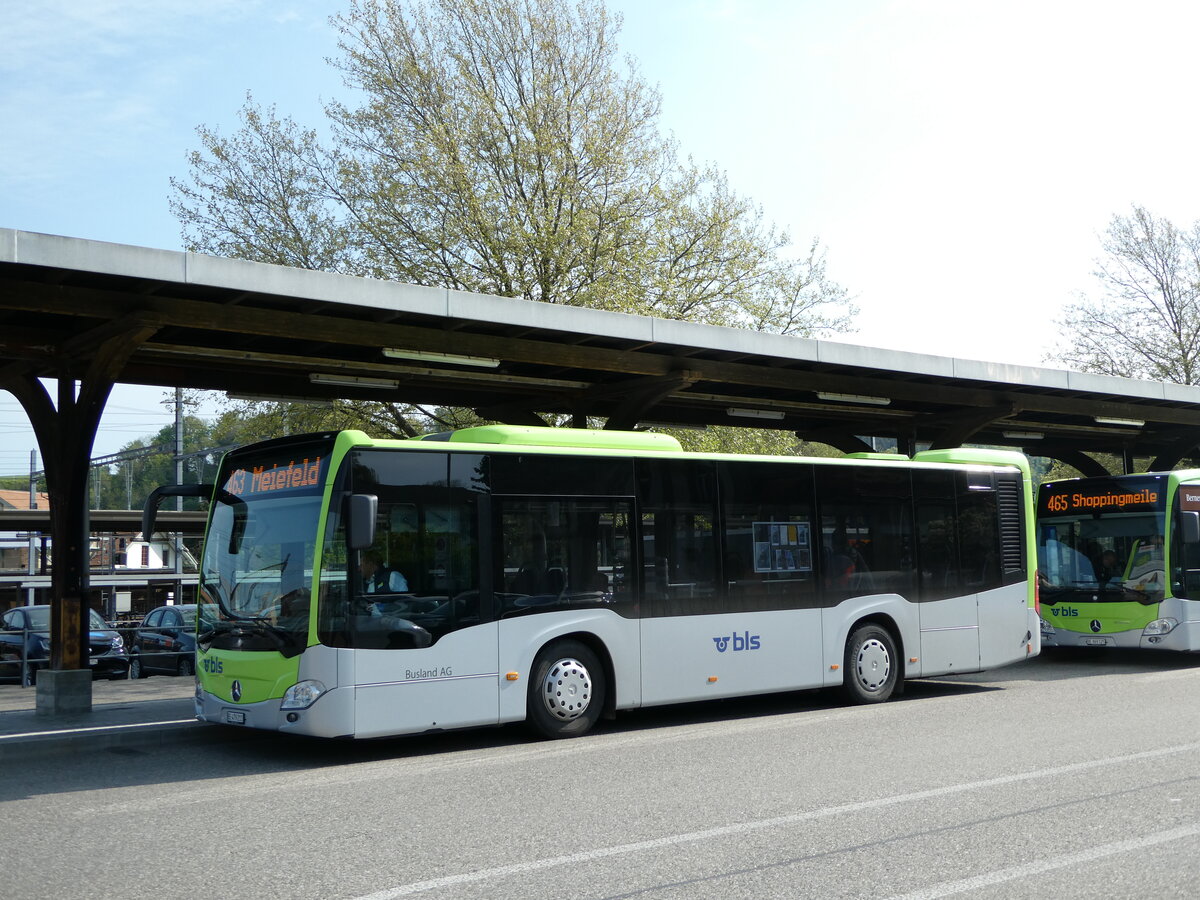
<point x="872" y="454"/>
<point x="977" y="455"/>
<point x="584" y="438"/>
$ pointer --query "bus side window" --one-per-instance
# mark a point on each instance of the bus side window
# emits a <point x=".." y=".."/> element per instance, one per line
<point x="769" y="538"/>
<point x="866" y="533"/>
<point x="679" y="542"/>
<point x="563" y="553"/>
<point x="937" y="534"/>
<point x="1185" y="553"/>
<point x="979" y="536"/>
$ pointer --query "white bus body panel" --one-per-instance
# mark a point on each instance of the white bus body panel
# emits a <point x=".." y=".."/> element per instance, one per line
<point x="521" y="637"/>
<point x="763" y="652"/>
<point x="950" y="635"/>
<point x="1004" y="632"/>
<point x="453" y="684"/>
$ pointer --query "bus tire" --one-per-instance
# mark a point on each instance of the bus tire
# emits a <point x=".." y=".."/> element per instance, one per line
<point x="872" y="666"/>
<point x="566" y="690"/>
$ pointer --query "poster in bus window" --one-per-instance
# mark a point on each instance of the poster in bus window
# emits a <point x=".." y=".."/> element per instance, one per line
<point x="782" y="547"/>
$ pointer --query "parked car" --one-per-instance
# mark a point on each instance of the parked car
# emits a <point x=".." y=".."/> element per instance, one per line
<point x="165" y="641"/>
<point x="25" y="645"/>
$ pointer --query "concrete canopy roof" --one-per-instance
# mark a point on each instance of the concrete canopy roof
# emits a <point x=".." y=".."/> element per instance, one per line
<point x="272" y="331"/>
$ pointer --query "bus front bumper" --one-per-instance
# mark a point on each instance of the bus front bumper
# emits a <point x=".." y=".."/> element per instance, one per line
<point x="332" y="715"/>
<point x="1181" y="637"/>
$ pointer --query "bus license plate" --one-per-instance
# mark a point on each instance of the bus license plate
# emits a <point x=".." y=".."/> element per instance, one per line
<point x="1095" y="642"/>
<point x="233" y="717"/>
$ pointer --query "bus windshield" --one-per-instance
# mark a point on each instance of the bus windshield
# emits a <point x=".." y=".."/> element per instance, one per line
<point x="1106" y="544"/>
<point x="258" y="560"/>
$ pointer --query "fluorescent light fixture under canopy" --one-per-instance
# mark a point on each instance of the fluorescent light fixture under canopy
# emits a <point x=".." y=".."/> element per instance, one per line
<point x="384" y="384"/>
<point x="453" y="359"/>
<point x="854" y="398"/>
<point x="1114" y="420"/>
<point x="744" y="413"/>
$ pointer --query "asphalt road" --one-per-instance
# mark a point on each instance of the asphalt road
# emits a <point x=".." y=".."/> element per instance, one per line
<point x="1068" y="776"/>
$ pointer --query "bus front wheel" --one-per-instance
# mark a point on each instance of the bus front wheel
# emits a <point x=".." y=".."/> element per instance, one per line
<point x="566" y="690"/>
<point x="872" y="667"/>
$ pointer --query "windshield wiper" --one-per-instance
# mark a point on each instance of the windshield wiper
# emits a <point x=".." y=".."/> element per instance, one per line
<point x="284" y="641"/>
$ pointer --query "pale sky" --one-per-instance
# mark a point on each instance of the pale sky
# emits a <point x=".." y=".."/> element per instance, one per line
<point x="958" y="160"/>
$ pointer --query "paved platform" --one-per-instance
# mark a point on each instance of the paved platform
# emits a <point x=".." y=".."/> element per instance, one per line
<point x="147" y="713"/>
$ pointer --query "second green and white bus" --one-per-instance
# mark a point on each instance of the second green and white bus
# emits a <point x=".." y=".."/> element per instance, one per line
<point x="1119" y="559"/>
<point x="558" y="576"/>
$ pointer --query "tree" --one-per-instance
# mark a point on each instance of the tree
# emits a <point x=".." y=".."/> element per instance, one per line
<point x="496" y="146"/>
<point x="150" y="462"/>
<point x="1145" y="322"/>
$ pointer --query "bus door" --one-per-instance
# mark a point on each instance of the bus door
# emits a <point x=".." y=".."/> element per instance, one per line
<point x="947" y="559"/>
<point x="425" y="631"/>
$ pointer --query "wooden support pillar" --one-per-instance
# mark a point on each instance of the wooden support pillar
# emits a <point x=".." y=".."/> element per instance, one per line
<point x="65" y="437"/>
<point x="1087" y="466"/>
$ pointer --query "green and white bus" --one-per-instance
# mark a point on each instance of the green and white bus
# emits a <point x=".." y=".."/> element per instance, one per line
<point x="1119" y="561"/>
<point x="561" y="575"/>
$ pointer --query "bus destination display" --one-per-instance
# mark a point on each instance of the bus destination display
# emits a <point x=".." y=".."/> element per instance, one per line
<point x="1066" y="499"/>
<point x="271" y="478"/>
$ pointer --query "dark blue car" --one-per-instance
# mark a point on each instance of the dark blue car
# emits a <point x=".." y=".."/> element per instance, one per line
<point x="165" y="641"/>
<point x="25" y="645"/>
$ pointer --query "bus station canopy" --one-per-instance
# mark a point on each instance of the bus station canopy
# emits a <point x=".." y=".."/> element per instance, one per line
<point x="80" y="309"/>
<point x="88" y="315"/>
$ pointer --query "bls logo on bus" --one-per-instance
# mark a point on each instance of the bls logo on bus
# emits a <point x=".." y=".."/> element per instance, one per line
<point x="746" y="641"/>
<point x="212" y="666"/>
<point x="1064" y="611"/>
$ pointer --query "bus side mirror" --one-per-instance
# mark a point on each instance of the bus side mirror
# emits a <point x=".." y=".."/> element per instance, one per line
<point x="1189" y="526"/>
<point x="360" y="520"/>
<point x="150" y="510"/>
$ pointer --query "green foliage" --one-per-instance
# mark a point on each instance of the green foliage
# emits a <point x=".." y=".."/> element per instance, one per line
<point x="755" y="441"/>
<point x="1145" y="320"/>
<point x="151" y="462"/>
<point x="497" y="146"/>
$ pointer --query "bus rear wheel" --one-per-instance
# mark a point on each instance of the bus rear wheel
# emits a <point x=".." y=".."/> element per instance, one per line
<point x="872" y="667"/>
<point x="566" y="690"/>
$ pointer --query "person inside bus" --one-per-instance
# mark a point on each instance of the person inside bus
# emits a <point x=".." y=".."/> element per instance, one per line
<point x="1107" y="569"/>
<point x="843" y="562"/>
<point x="378" y="578"/>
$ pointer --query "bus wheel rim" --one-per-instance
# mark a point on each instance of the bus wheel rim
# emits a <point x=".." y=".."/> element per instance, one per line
<point x="567" y="690"/>
<point x="874" y="665"/>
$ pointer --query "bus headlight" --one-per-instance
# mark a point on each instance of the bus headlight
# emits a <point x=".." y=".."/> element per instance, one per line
<point x="1160" y="626"/>
<point x="1047" y="629"/>
<point x="302" y="695"/>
